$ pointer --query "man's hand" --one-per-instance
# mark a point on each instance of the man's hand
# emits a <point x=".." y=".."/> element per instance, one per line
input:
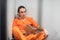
<point x="46" y="32"/>
<point x="43" y="29"/>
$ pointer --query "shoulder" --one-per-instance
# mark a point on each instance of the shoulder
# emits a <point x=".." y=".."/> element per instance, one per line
<point x="16" y="19"/>
<point x="28" y="17"/>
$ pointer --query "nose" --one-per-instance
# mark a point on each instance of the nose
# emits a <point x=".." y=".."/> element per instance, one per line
<point x="24" y="13"/>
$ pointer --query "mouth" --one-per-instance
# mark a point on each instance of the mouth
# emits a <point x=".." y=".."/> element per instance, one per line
<point x="23" y="15"/>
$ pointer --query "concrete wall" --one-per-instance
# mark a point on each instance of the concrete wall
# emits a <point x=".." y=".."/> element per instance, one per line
<point x="10" y="17"/>
<point x="51" y="18"/>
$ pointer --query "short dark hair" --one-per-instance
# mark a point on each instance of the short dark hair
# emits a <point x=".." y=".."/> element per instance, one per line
<point x="20" y="8"/>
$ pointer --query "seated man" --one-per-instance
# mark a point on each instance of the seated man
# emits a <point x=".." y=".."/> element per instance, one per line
<point x="19" y="24"/>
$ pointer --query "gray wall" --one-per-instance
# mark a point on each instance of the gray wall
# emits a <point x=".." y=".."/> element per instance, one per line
<point x="51" y="18"/>
<point x="45" y="11"/>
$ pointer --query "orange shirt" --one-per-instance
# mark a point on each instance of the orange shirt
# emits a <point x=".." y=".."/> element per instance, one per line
<point x="22" y="23"/>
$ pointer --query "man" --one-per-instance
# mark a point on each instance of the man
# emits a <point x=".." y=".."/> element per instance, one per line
<point x="20" y="23"/>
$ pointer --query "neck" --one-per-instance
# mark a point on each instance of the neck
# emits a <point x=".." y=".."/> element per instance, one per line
<point x="22" y="18"/>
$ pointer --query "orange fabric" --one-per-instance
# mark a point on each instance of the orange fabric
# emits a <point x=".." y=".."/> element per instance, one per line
<point x="21" y="24"/>
<point x="19" y="36"/>
<point x="18" y="29"/>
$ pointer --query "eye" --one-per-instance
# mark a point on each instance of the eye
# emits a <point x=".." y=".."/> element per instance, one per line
<point x="22" y="11"/>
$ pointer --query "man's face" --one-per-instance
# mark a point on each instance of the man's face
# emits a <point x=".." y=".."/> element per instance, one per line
<point x="22" y="12"/>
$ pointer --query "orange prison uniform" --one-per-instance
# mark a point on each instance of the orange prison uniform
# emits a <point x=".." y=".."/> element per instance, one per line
<point x="18" y="29"/>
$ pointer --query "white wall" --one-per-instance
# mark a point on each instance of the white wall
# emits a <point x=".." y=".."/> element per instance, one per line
<point x="51" y="18"/>
<point x="10" y="16"/>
